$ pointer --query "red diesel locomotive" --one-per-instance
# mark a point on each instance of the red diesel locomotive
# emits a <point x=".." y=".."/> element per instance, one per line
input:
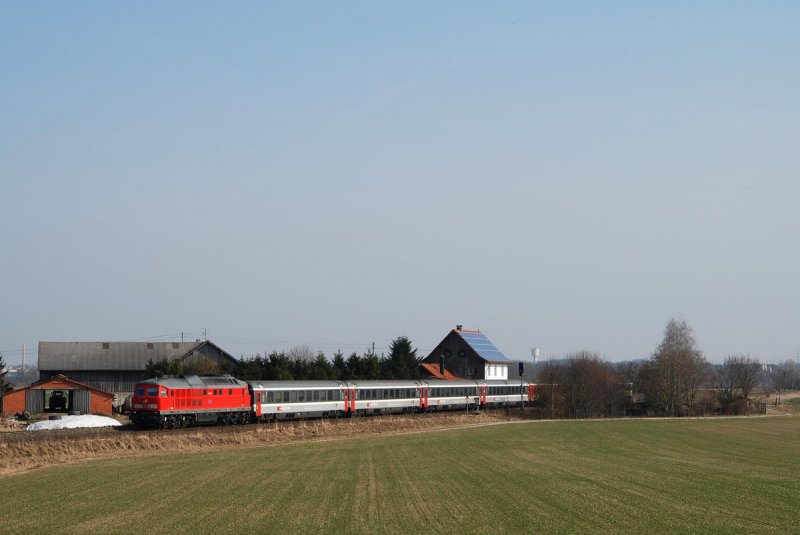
<point x="190" y="400"/>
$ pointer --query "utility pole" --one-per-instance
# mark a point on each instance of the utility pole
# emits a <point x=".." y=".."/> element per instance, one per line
<point x="205" y="335"/>
<point x="181" y="336"/>
<point x="23" y="361"/>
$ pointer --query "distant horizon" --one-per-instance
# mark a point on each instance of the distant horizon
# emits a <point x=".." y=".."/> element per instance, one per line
<point x="286" y="346"/>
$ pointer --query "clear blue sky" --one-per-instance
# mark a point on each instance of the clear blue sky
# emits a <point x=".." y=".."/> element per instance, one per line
<point x="567" y="175"/>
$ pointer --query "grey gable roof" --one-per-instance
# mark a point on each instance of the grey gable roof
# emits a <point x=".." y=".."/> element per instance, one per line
<point x="117" y="356"/>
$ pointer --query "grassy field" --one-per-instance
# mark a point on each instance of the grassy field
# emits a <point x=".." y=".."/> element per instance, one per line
<point x="647" y="476"/>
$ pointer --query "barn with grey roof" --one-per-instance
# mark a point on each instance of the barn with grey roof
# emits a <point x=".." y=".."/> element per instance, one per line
<point x="117" y="366"/>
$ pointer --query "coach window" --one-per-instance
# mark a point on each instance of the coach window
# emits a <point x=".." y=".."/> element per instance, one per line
<point x="230" y="391"/>
<point x="292" y="396"/>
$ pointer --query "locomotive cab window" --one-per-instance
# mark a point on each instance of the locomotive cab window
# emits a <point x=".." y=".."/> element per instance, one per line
<point x="139" y="392"/>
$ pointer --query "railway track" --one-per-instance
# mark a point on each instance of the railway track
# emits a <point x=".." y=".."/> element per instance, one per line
<point x="57" y="435"/>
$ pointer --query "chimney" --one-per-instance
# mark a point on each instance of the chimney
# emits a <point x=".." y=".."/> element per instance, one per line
<point x="459" y="327"/>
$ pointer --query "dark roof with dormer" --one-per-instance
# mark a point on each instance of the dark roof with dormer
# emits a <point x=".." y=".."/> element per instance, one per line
<point x="476" y="342"/>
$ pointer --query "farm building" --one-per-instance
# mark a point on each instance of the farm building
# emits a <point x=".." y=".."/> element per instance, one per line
<point x="467" y="355"/>
<point x="57" y="394"/>
<point x="116" y="366"/>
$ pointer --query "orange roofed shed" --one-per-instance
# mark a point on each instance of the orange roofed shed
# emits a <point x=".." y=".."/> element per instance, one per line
<point x="57" y="394"/>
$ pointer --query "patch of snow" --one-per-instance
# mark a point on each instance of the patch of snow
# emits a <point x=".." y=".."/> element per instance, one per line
<point x="74" y="422"/>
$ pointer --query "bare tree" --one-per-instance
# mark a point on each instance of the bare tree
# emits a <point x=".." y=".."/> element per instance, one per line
<point x="677" y="370"/>
<point x="589" y="385"/>
<point x="782" y="377"/>
<point x="549" y="377"/>
<point x="725" y="376"/>
<point x="201" y="365"/>
<point x="737" y="377"/>
<point x="748" y="375"/>
<point x="302" y="354"/>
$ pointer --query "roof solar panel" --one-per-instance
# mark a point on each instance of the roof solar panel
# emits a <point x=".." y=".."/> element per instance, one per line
<point x="484" y="347"/>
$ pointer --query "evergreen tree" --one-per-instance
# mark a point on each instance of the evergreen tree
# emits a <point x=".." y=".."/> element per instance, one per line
<point x="403" y="362"/>
<point x="354" y="367"/>
<point x="279" y="367"/>
<point x="339" y="366"/>
<point x="371" y="367"/>
<point x="322" y="369"/>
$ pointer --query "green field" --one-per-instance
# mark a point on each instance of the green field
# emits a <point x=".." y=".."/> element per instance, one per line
<point x="648" y="476"/>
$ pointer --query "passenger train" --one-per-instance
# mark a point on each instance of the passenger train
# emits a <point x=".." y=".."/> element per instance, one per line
<point x="224" y="400"/>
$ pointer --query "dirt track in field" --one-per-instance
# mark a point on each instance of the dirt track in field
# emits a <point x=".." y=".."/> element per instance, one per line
<point x="27" y="451"/>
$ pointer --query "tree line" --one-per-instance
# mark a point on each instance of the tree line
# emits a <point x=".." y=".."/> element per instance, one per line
<point x="302" y="363"/>
<point x="677" y="380"/>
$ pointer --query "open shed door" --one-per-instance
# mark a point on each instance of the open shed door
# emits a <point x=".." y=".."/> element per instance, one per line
<point x="81" y="401"/>
<point x="34" y="401"/>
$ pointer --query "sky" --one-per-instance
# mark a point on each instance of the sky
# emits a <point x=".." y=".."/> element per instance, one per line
<point x="562" y="175"/>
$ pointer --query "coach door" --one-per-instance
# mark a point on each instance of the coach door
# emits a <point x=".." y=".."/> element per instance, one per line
<point x="353" y="395"/>
<point x="350" y="400"/>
